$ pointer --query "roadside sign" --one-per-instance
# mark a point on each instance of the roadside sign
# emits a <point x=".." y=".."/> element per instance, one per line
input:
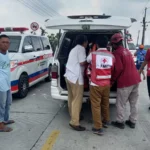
<point x="34" y="26"/>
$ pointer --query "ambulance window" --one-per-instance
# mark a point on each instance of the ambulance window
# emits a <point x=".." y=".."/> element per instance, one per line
<point x="45" y="43"/>
<point x="14" y="43"/>
<point x="37" y="43"/>
<point x="27" y="41"/>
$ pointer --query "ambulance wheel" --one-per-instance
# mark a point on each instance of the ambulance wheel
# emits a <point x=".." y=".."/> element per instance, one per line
<point x="48" y="79"/>
<point x="23" y="86"/>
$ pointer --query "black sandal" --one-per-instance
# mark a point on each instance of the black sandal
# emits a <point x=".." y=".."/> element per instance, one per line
<point x="78" y="128"/>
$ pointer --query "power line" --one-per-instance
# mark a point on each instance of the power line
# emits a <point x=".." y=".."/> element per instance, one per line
<point x="50" y="7"/>
<point x="30" y="7"/>
<point x="39" y="7"/>
<point x="142" y="11"/>
<point x="36" y="9"/>
<point x="44" y="7"/>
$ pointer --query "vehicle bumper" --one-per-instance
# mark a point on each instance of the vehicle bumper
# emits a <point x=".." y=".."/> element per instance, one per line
<point x="57" y="95"/>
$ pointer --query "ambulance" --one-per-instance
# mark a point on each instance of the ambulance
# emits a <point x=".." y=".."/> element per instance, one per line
<point x="90" y="25"/>
<point x="30" y="59"/>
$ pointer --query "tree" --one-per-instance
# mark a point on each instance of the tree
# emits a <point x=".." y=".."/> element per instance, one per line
<point x="53" y="38"/>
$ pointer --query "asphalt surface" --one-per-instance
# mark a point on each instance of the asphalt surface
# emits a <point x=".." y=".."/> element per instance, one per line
<point x="42" y="124"/>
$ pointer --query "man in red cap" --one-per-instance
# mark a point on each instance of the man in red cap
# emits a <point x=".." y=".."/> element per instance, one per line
<point x="128" y="80"/>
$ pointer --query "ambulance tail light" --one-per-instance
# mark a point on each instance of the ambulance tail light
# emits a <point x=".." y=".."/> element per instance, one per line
<point x="54" y="71"/>
<point x="13" y="29"/>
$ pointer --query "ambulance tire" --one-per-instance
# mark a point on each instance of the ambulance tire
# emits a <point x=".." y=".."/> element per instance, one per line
<point x="48" y="79"/>
<point x="23" y="81"/>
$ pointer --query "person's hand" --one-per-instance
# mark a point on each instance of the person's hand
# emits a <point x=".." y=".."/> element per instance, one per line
<point x="111" y="85"/>
<point x="140" y="71"/>
<point x="90" y="51"/>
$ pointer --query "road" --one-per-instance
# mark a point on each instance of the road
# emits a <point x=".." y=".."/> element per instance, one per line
<point x="42" y="124"/>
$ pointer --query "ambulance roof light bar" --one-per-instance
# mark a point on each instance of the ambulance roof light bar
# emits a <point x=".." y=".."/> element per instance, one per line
<point x="13" y="29"/>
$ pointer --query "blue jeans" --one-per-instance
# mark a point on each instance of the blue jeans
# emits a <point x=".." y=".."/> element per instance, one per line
<point x="5" y="102"/>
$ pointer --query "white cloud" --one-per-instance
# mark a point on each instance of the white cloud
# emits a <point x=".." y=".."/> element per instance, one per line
<point x="95" y="5"/>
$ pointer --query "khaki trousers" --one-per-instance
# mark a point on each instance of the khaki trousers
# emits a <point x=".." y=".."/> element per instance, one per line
<point x="124" y="95"/>
<point x="75" y="99"/>
<point x="99" y="97"/>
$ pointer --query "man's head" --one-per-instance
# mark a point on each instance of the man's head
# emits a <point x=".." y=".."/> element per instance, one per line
<point x="116" y="40"/>
<point x="4" y="43"/>
<point x="102" y="42"/>
<point x="82" y="40"/>
<point x="141" y="47"/>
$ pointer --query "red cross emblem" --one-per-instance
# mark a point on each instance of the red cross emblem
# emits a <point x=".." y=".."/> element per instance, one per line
<point x="104" y="60"/>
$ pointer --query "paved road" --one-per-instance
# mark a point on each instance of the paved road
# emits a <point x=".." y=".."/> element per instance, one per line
<point x="42" y="122"/>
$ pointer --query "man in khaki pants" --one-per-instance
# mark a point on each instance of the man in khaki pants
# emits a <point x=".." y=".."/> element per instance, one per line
<point x="128" y="80"/>
<point x="74" y="80"/>
<point x="102" y="62"/>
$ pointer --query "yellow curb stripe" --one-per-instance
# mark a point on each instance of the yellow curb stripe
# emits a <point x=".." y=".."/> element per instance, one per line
<point x="51" y="140"/>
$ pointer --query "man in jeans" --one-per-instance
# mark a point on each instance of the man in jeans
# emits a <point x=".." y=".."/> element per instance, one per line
<point x="128" y="79"/>
<point x="102" y="62"/>
<point x="74" y="80"/>
<point x="5" y="89"/>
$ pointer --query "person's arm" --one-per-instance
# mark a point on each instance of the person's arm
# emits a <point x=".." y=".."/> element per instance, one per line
<point x="83" y="63"/>
<point x="147" y="58"/>
<point x="142" y="66"/>
<point x="82" y="57"/>
<point x="113" y="66"/>
<point x="89" y="58"/>
<point x="118" y="68"/>
<point x="135" y="54"/>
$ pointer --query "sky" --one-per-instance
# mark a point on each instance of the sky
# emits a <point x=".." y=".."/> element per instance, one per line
<point x="24" y="12"/>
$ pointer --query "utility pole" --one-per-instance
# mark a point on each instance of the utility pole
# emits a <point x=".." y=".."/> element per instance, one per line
<point x="144" y="26"/>
<point x="138" y="38"/>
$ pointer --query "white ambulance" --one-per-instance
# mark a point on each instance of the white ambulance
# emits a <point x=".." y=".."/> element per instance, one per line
<point x="31" y="59"/>
<point x="90" y="25"/>
<point x="132" y="48"/>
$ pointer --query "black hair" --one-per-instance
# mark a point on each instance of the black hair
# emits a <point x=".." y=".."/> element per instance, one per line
<point x="81" y="39"/>
<point x="3" y="36"/>
<point x="102" y="42"/>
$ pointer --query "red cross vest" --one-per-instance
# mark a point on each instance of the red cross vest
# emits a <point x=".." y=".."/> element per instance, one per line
<point x="102" y="63"/>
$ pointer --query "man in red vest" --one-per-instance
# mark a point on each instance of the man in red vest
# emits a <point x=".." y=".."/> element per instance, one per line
<point x="147" y="62"/>
<point x="102" y="62"/>
<point x="128" y="79"/>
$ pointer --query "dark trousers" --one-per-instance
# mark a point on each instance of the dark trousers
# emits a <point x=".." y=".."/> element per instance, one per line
<point x="148" y="85"/>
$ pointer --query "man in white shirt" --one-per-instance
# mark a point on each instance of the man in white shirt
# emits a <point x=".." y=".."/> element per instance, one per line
<point x="74" y="79"/>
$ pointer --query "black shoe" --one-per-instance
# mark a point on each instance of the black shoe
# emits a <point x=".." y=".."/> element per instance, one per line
<point x="118" y="125"/>
<point x="149" y="108"/>
<point x="78" y="128"/>
<point x="106" y="124"/>
<point x="130" y="124"/>
<point x="98" y="131"/>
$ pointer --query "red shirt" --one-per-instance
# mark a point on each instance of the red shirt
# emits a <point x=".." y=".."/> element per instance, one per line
<point x="147" y="58"/>
<point x="125" y="72"/>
